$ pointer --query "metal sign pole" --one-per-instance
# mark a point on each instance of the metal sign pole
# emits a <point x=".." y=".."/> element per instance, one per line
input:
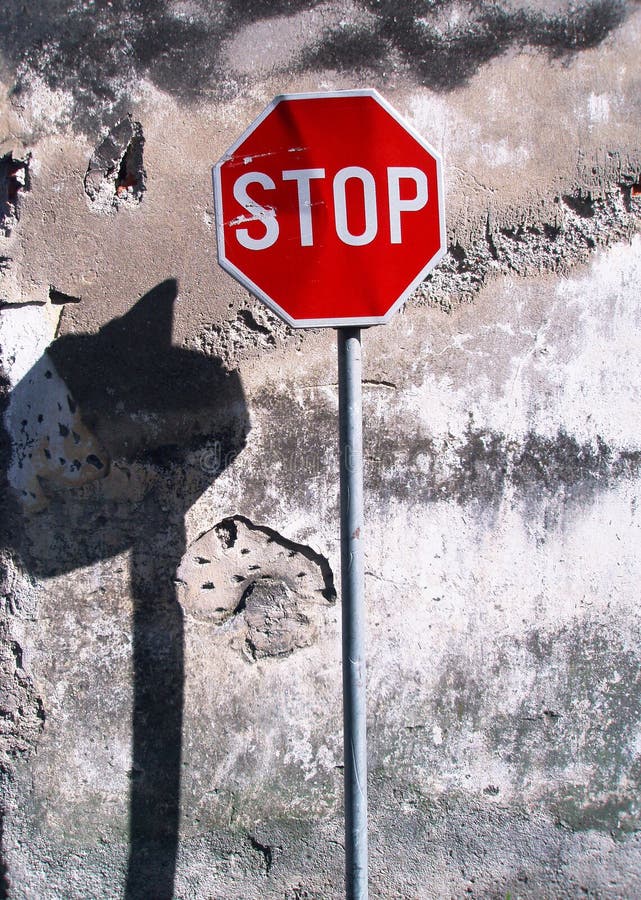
<point x="260" y="246"/>
<point x="350" y="416"/>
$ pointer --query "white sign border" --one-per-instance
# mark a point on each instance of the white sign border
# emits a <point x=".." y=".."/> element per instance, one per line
<point x="240" y="276"/>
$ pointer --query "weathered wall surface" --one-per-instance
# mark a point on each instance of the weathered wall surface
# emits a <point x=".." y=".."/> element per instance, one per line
<point x="170" y="658"/>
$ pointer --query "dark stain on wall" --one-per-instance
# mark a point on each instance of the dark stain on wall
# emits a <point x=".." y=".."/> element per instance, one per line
<point x="561" y="709"/>
<point x="92" y="49"/>
<point x="444" y="55"/>
<point x="473" y="468"/>
<point x="581" y="715"/>
<point x="541" y="468"/>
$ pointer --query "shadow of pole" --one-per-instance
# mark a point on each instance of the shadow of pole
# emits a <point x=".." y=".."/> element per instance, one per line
<point x="158" y="694"/>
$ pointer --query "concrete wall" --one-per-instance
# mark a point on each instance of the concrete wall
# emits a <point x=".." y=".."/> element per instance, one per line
<point x="170" y="661"/>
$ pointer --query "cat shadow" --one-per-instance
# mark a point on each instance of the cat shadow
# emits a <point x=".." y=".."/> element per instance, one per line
<point x="115" y="435"/>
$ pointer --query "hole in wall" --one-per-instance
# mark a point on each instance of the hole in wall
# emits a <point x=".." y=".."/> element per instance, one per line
<point x="130" y="182"/>
<point x="116" y="175"/>
<point x="14" y="182"/>
<point x="581" y="204"/>
<point x="59" y="298"/>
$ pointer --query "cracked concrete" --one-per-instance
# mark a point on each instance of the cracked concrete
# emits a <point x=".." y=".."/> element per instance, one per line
<point x="581" y="223"/>
<point x="169" y="645"/>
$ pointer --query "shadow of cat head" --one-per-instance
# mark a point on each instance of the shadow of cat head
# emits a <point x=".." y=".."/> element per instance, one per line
<point x="115" y="435"/>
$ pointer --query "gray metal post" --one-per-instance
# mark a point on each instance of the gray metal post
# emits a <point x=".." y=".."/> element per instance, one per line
<point x="350" y="414"/>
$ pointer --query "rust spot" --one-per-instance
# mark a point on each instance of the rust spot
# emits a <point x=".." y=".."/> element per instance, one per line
<point x="356" y="534"/>
<point x="636" y="189"/>
<point x="129" y="181"/>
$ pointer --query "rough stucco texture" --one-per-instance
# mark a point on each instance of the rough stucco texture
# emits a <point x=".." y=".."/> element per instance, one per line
<point x="170" y="719"/>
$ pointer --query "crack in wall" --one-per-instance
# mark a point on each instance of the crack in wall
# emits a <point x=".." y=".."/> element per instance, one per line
<point x="22" y="712"/>
<point x="59" y="298"/>
<point x="264" y="851"/>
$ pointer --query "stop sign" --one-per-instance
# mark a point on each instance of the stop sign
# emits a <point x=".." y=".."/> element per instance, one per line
<point x="329" y="208"/>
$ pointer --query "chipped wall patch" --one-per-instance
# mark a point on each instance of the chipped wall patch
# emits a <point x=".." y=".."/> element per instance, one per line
<point x="582" y="221"/>
<point x="276" y="624"/>
<point x="265" y="591"/>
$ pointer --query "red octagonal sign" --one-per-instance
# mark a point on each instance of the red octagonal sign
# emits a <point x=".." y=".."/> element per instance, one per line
<point x="329" y="208"/>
